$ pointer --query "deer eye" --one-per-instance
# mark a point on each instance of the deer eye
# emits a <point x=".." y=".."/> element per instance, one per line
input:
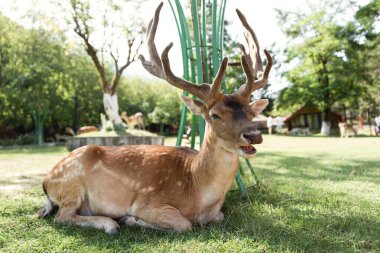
<point x="215" y="116"/>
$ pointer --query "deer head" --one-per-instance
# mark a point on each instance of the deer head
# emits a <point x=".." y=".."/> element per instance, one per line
<point x="228" y="115"/>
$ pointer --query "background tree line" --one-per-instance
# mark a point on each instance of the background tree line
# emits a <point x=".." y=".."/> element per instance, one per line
<point x="40" y="71"/>
<point x="332" y="62"/>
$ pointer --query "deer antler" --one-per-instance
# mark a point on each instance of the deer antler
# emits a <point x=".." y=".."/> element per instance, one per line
<point x="160" y="67"/>
<point x="251" y="61"/>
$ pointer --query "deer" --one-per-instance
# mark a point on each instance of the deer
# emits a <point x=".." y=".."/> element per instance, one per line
<point x="345" y="129"/>
<point x="162" y="187"/>
<point x="136" y="119"/>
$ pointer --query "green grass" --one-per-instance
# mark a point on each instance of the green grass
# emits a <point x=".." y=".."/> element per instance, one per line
<point x="316" y="194"/>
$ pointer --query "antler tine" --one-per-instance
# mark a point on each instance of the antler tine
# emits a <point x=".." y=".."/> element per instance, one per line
<point x="153" y="66"/>
<point x="201" y="91"/>
<point x="251" y="61"/>
<point x="253" y="56"/>
<point x="219" y="77"/>
<point x="252" y="85"/>
<point x="160" y="67"/>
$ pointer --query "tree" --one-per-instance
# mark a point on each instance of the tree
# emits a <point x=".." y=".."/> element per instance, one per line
<point x="159" y="116"/>
<point x="39" y="74"/>
<point x="140" y="95"/>
<point x="318" y="55"/>
<point x="83" y="18"/>
<point x="365" y="36"/>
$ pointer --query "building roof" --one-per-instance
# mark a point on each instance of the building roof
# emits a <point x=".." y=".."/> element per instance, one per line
<point x="308" y="110"/>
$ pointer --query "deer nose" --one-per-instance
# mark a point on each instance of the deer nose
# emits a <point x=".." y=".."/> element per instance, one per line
<point x="253" y="137"/>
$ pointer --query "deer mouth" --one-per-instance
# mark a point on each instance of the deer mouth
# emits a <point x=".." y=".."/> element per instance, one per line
<point x="249" y="150"/>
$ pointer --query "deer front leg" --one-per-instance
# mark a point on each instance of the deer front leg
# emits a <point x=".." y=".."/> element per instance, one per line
<point x="217" y="218"/>
<point x="69" y="215"/>
<point x="164" y="217"/>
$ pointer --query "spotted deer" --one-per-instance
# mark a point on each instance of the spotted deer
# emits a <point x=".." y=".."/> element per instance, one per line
<point x="345" y="129"/>
<point x="172" y="188"/>
<point x="134" y="120"/>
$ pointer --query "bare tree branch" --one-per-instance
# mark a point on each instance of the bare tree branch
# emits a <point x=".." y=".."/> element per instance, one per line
<point x="84" y="33"/>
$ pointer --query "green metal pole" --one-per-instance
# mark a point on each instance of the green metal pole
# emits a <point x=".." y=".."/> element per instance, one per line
<point x="222" y="10"/>
<point x="204" y="42"/>
<point x="251" y="169"/>
<point x="221" y="28"/>
<point x="215" y="39"/>
<point x="197" y="38"/>
<point x="185" y="44"/>
<point x="241" y="185"/>
<point x="185" y="64"/>
<point x="195" y="66"/>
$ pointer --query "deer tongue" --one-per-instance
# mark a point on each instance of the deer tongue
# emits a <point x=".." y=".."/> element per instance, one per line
<point x="248" y="149"/>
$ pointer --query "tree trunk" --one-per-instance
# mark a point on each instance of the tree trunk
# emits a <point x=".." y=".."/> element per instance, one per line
<point x="111" y="107"/>
<point x="161" y="128"/>
<point x="369" y="121"/>
<point x="39" y="119"/>
<point x="326" y="123"/>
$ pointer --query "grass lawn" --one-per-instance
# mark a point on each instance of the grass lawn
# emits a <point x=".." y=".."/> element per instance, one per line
<point x="316" y="194"/>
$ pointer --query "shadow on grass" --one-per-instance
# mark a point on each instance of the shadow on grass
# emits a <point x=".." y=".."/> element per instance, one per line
<point x="309" y="220"/>
<point x="303" y="223"/>
<point x="22" y="181"/>
<point x="297" y="224"/>
<point x="33" y="149"/>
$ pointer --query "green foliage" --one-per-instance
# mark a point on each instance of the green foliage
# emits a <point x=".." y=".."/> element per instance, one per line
<point x="334" y="61"/>
<point x="41" y="72"/>
<point x="157" y="97"/>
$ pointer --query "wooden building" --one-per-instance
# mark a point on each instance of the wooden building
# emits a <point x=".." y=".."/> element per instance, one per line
<point x="311" y="118"/>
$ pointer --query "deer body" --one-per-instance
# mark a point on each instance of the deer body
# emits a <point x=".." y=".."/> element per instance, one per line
<point x="345" y="129"/>
<point x="165" y="187"/>
<point x="136" y="119"/>
<point x="142" y="178"/>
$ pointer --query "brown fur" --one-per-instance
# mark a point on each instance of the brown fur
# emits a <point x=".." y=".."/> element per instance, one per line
<point x="163" y="187"/>
<point x="345" y="129"/>
<point x="136" y="119"/>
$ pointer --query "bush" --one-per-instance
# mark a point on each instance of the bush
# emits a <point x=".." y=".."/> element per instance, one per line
<point x="26" y="139"/>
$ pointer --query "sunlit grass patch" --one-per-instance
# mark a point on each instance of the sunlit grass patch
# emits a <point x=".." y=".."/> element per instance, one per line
<point x="315" y="195"/>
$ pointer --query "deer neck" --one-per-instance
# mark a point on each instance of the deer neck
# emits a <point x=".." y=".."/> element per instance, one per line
<point x="213" y="168"/>
<point x="126" y="118"/>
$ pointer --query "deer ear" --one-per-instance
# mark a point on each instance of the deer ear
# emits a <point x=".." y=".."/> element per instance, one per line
<point x="258" y="106"/>
<point x="195" y="106"/>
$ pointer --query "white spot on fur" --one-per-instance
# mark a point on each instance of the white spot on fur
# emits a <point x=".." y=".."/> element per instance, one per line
<point x="131" y="183"/>
<point x="179" y="183"/>
<point x="97" y="165"/>
<point x="134" y="208"/>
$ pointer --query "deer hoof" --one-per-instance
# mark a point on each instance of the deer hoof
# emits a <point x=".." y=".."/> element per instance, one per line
<point x="113" y="231"/>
